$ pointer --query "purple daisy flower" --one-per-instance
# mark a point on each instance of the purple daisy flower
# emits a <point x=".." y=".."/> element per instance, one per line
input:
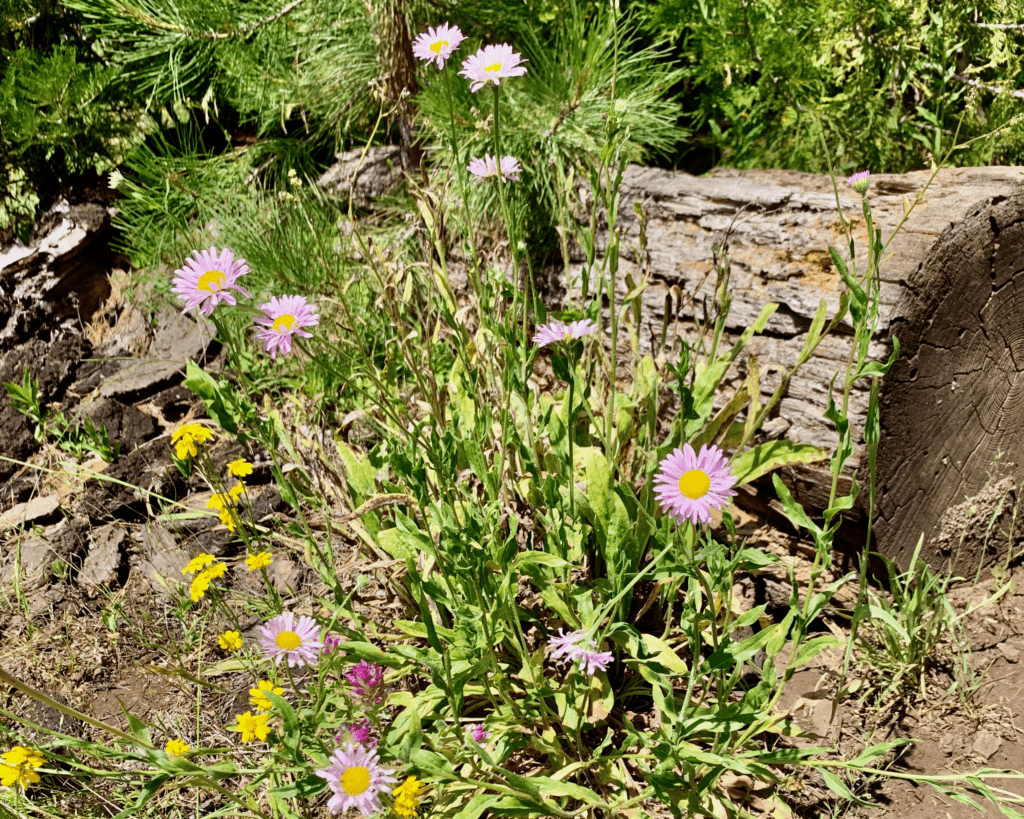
<point x="357" y="780"/>
<point x="299" y="642"/>
<point x="285" y="317"/>
<point x="689" y="485"/>
<point x="588" y="661"/>
<point x="491" y="64"/>
<point x="205" y="279"/>
<point x="557" y="331"/>
<point x="437" y="44"/>
<point x="859" y="181"/>
<point x="488" y="168"/>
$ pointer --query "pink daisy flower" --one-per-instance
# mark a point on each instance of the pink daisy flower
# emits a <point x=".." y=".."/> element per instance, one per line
<point x="357" y="780"/>
<point x="859" y="181"/>
<point x="205" y="279"/>
<point x="437" y="44"/>
<point x="556" y="331"/>
<point x="588" y="661"/>
<point x="285" y="317"/>
<point x="488" y="168"/>
<point x="688" y="485"/>
<point x="491" y="64"/>
<point x="299" y="642"/>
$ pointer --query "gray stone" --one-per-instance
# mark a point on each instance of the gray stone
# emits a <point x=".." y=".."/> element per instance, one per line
<point x="985" y="743"/>
<point x="103" y="563"/>
<point x="285" y="574"/>
<point x="34" y="557"/>
<point x="163" y="560"/>
<point x="35" y="510"/>
<point x="1011" y="654"/>
<point x="178" y="338"/>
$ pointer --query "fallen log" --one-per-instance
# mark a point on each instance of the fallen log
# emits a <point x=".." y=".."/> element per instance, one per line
<point x="949" y="285"/>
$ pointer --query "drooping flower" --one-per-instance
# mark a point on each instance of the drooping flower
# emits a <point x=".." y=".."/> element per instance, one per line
<point x="587" y="660"/>
<point x="689" y="485"/>
<point x="206" y="278"/>
<point x="198" y="562"/>
<point x="253" y="726"/>
<point x="437" y="44"/>
<point x="258" y="561"/>
<point x="488" y="168"/>
<point x="478" y="732"/>
<point x="407" y="797"/>
<point x="176" y="747"/>
<point x="491" y="64"/>
<point x="557" y="331"/>
<point x="298" y="642"/>
<point x="367" y="680"/>
<point x="357" y="780"/>
<point x="860" y="181"/>
<point x="230" y="641"/>
<point x="185" y="438"/>
<point x="19" y="767"/>
<point x="257" y="697"/>
<point x="357" y="732"/>
<point x="284" y="317"/>
<point x="240" y="468"/>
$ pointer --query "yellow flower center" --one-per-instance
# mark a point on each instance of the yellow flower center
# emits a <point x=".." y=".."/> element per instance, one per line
<point x="694" y="484"/>
<point x="493" y="68"/>
<point x="288" y="640"/>
<point x="212" y="281"/>
<point x="283" y="324"/>
<point x="436" y="47"/>
<point x="355" y="780"/>
<point x="568" y="334"/>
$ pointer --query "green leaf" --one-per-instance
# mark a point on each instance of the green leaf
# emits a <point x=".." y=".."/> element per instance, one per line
<point x="207" y="388"/>
<point x="813" y="647"/>
<point x="763" y="458"/>
<point x="400" y="545"/>
<point x="476" y="806"/>
<point x="838" y="787"/>
<point x="291" y="735"/>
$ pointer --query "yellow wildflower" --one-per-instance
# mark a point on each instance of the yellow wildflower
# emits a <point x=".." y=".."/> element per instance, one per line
<point x="407" y="797"/>
<point x="176" y="747"/>
<point x="199" y="587"/>
<point x="216" y="570"/>
<point x="19" y="767"/>
<point x="230" y="641"/>
<point x="227" y="519"/>
<point x="259" y="699"/>
<point x="197" y="563"/>
<point x="186" y="437"/>
<point x="236" y="492"/>
<point x="253" y="726"/>
<point x="258" y="561"/>
<point x="240" y="468"/>
<point x="218" y="502"/>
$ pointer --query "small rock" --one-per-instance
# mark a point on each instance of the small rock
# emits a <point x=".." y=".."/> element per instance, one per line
<point x="164" y="560"/>
<point x="33" y="511"/>
<point x="986" y="743"/>
<point x="103" y="563"/>
<point x="285" y="574"/>
<point x="35" y="561"/>
<point x="1011" y="654"/>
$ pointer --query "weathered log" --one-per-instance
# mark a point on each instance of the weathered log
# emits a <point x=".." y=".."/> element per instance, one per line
<point x="949" y="256"/>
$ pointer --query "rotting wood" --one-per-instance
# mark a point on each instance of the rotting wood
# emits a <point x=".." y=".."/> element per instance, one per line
<point x="780" y="225"/>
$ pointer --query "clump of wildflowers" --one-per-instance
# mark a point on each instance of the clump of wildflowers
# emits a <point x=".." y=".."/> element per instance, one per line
<point x="436" y="45"/>
<point x="201" y="583"/>
<point x="490" y="168"/>
<point x="557" y="331"/>
<point x="19" y="767"/>
<point x="689" y="485"/>
<point x="283" y="318"/>
<point x="407" y="797"/>
<point x="587" y="660"/>
<point x="185" y="438"/>
<point x="367" y="680"/>
<point x="199" y="562"/>
<point x="298" y="642"/>
<point x="206" y="278"/>
<point x="356" y="779"/>
<point x="491" y="64"/>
